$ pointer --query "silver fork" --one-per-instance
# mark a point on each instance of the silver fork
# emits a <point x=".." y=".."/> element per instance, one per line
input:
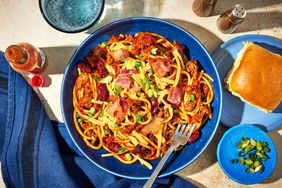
<point x="180" y="137"/>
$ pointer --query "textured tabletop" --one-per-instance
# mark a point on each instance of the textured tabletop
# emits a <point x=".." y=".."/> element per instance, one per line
<point x="21" y="21"/>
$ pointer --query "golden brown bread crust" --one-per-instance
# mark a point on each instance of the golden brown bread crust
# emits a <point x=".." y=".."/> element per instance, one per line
<point x="256" y="77"/>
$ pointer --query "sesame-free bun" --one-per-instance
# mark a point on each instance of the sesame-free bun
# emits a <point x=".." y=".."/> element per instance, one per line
<point x="256" y="77"/>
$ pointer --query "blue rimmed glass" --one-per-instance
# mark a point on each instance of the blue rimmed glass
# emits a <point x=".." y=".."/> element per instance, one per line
<point x="71" y="16"/>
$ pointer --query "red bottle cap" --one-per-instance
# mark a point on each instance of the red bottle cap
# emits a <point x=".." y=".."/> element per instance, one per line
<point x="37" y="81"/>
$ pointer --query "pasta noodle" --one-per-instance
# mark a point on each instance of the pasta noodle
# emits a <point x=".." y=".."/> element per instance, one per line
<point x="133" y="90"/>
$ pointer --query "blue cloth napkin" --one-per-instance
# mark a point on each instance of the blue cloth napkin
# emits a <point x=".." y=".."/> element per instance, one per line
<point x="37" y="152"/>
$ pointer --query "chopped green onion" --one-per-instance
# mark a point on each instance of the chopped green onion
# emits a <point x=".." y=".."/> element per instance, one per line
<point x="150" y="74"/>
<point x="156" y="89"/>
<point x="175" y="111"/>
<point x="253" y="142"/>
<point x="154" y="51"/>
<point x="117" y="90"/>
<point x="147" y="87"/>
<point x="128" y="156"/>
<point x="122" y="149"/>
<point x="234" y="161"/>
<point x="259" y="146"/>
<point x="192" y="97"/>
<point x="107" y="132"/>
<point x="137" y="64"/>
<point x="242" y="161"/>
<point x="147" y="81"/>
<point x="96" y="78"/>
<point x="89" y="115"/>
<point x="249" y="161"/>
<point x="256" y="163"/>
<point x="254" y="153"/>
<point x="138" y="118"/>
<point x="115" y="125"/>
<point x="103" y="44"/>
<point x="92" y="110"/>
<point x="138" y="56"/>
<point x="252" y="170"/>
<point x="150" y="93"/>
<point x="79" y="121"/>
<point x="245" y="143"/>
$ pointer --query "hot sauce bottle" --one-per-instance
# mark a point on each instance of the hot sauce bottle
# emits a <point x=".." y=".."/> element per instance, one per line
<point x="25" y="58"/>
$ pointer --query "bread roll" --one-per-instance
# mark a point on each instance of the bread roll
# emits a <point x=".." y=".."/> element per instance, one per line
<point x="256" y="77"/>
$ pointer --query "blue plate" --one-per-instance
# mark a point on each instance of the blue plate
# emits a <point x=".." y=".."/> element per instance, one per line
<point x="234" y="111"/>
<point x="178" y="160"/>
<point x="227" y="150"/>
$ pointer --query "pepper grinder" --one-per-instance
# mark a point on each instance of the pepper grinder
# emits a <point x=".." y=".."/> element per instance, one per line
<point x="203" y="8"/>
<point x="228" y="21"/>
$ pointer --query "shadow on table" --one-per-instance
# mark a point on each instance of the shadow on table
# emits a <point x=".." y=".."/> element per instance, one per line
<point x="277" y="173"/>
<point x="118" y="9"/>
<point x="206" y="37"/>
<point x="221" y="5"/>
<point x="260" y="20"/>
<point x="57" y="58"/>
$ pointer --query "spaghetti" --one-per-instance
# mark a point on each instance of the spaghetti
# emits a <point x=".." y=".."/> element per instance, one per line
<point x="132" y="91"/>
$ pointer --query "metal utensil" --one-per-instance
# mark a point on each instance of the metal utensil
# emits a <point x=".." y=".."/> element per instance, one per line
<point x="180" y="137"/>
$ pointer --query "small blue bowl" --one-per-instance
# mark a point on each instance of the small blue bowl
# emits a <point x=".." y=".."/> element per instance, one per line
<point x="71" y="16"/>
<point x="227" y="150"/>
<point x="196" y="51"/>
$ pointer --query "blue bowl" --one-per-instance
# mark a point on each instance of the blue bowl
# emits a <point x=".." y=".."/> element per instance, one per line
<point x="171" y="32"/>
<point x="71" y="16"/>
<point x="227" y="150"/>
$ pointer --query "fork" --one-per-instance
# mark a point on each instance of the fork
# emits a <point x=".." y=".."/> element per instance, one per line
<point x="180" y="137"/>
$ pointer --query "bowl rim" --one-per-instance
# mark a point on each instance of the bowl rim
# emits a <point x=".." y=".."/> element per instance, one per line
<point x="240" y="126"/>
<point x="111" y="24"/>
<point x="72" y="31"/>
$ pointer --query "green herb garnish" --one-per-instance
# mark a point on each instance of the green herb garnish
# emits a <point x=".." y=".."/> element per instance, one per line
<point x="117" y="90"/>
<point x="128" y="156"/>
<point x="103" y="44"/>
<point x="192" y="97"/>
<point x="138" y="118"/>
<point x="156" y="89"/>
<point x="79" y="121"/>
<point x="138" y="56"/>
<point x="92" y="110"/>
<point x="137" y="64"/>
<point x="150" y="74"/>
<point x="122" y="149"/>
<point x="175" y="111"/>
<point x="253" y="154"/>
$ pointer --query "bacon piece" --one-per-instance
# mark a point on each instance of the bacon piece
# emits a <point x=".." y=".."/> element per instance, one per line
<point x="114" y="147"/>
<point x="103" y="92"/>
<point x="118" y="107"/>
<point x="161" y="67"/>
<point x="116" y="67"/>
<point x="134" y="87"/>
<point x="153" y="126"/>
<point x="125" y="72"/>
<point x="102" y="71"/>
<point x="124" y="82"/>
<point x="120" y="55"/>
<point x="175" y="95"/>
<point x="180" y="47"/>
<point x="84" y="67"/>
